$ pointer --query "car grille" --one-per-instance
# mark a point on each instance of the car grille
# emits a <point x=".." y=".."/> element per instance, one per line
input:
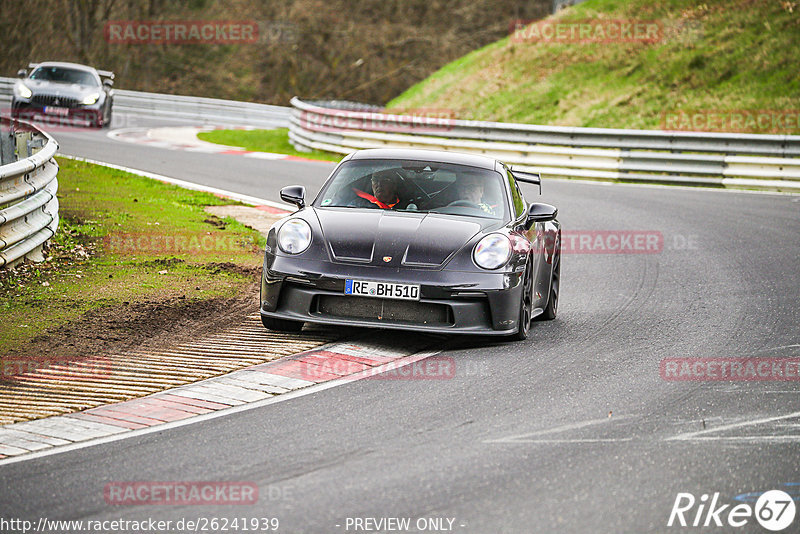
<point x="404" y="311"/>
<point x="50" y="100"/>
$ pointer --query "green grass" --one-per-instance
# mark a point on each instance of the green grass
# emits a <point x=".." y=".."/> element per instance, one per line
<point x="275" y="141"/>
<point x="116" y="244"/>
<point x="713" y="56"/>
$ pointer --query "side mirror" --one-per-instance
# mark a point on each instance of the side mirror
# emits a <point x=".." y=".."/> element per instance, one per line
<point x="21" y="73"/>
<point x="108" y="82"/>
<point x="538" y="212"/>
<point x="294" y="194"/>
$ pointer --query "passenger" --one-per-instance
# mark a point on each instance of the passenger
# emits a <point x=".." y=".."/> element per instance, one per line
<point x="385" y="186"/>
<point x="470" y="189"/>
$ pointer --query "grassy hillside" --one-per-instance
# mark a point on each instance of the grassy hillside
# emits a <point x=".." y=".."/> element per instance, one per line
<point x="711" y="56"/>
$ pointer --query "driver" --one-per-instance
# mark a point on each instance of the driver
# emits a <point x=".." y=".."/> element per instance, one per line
<point x="385" y="186"/>
<point x="470" y="189"/>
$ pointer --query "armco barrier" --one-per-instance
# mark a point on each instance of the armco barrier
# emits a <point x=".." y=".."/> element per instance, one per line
<point x="28" y="203"/>
<point x="194" y="108"/>
<point x="695" y="158"/>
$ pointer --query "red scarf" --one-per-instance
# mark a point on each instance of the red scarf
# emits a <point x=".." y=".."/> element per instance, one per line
<point x="374" y="200"/>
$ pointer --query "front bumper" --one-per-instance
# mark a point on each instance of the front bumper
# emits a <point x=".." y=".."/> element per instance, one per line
<point x="450" y="302"/>
<point x="81" y="115"/>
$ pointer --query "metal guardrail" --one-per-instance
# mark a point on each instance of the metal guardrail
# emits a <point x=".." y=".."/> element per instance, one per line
<point x="207" y="110"/>
<point x="28" y="203"/>
<point x="695" y="158"/>
<point x="200" y="109"/>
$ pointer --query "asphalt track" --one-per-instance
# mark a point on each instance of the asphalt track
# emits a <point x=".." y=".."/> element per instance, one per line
<point x="573" y="430"/>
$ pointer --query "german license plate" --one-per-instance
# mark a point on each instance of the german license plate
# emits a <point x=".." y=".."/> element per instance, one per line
<point x="53" y="110"/>
<point x="384" y="290"/>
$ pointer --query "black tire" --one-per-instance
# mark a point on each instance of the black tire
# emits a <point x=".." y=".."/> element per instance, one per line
<point x="525" y="306"/>
<point x="281" y="325"/>
<point x="551" y="309"/>
<point x="107" y="121"/>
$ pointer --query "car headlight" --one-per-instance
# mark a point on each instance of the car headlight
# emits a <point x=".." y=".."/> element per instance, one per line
<point x="22" y="90"/>
<point x="492" y="251"/>
<point x="294" y="236"/>
<point x="90" y="99"/>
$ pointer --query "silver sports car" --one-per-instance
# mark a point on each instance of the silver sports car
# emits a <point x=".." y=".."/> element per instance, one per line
<point x="64" y="93"/>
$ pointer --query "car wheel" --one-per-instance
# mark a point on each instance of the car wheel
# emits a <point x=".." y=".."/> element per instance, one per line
<point x="552" y="302"/>
<point x="281" y="325"/>
<point x="107" y="121"/>
<point x="525" y="306"/>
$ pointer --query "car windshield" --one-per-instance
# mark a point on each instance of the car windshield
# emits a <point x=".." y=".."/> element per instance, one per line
<point x="62" y="75"/>
<point x="416" y="186"/>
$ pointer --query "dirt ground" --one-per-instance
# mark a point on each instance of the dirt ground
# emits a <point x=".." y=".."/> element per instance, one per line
<point x="149" y="325"/>
<point x="153" y="324"/>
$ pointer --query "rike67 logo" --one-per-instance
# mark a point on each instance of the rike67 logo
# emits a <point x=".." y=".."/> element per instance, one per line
<point x="774" y="510"/>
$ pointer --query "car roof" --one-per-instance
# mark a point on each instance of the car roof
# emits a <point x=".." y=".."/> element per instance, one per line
<point x="439" y="156"/>
<point x="65" y="64"/>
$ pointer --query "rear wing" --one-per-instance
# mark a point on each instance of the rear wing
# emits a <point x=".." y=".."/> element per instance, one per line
<point x="102" y="73"/>
<point x="528" y="177"/>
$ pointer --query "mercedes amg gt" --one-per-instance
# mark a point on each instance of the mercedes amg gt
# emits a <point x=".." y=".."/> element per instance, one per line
<point x="64" y="93"/>
<point x="418" y="240"/>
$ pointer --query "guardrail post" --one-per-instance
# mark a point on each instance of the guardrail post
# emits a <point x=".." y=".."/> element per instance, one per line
<point x="34" y="144"/>
<point x="22" y="144"/>
<point x="6" y="146"/>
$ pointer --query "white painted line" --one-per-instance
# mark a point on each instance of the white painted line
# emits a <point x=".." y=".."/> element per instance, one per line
<point x="749" y="439"/>
<point x="564" y="441"/>
<point x="396" y="364"/>
<point x="526" y="438"/>
<point x="265" y="155"/>
<point x="247" y="199"/>
<point x="694" y="435"/>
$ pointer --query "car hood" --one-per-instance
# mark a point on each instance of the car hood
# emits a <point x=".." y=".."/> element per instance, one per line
<point x="70" y="90"/>
<point x="390" y="238"/>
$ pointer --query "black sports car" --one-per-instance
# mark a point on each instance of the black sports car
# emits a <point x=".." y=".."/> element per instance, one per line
<point x="64" y="93"/>
<point x="418" y="240"/>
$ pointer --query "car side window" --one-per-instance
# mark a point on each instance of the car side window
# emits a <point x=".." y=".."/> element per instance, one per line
<point x="516" y="196"/>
